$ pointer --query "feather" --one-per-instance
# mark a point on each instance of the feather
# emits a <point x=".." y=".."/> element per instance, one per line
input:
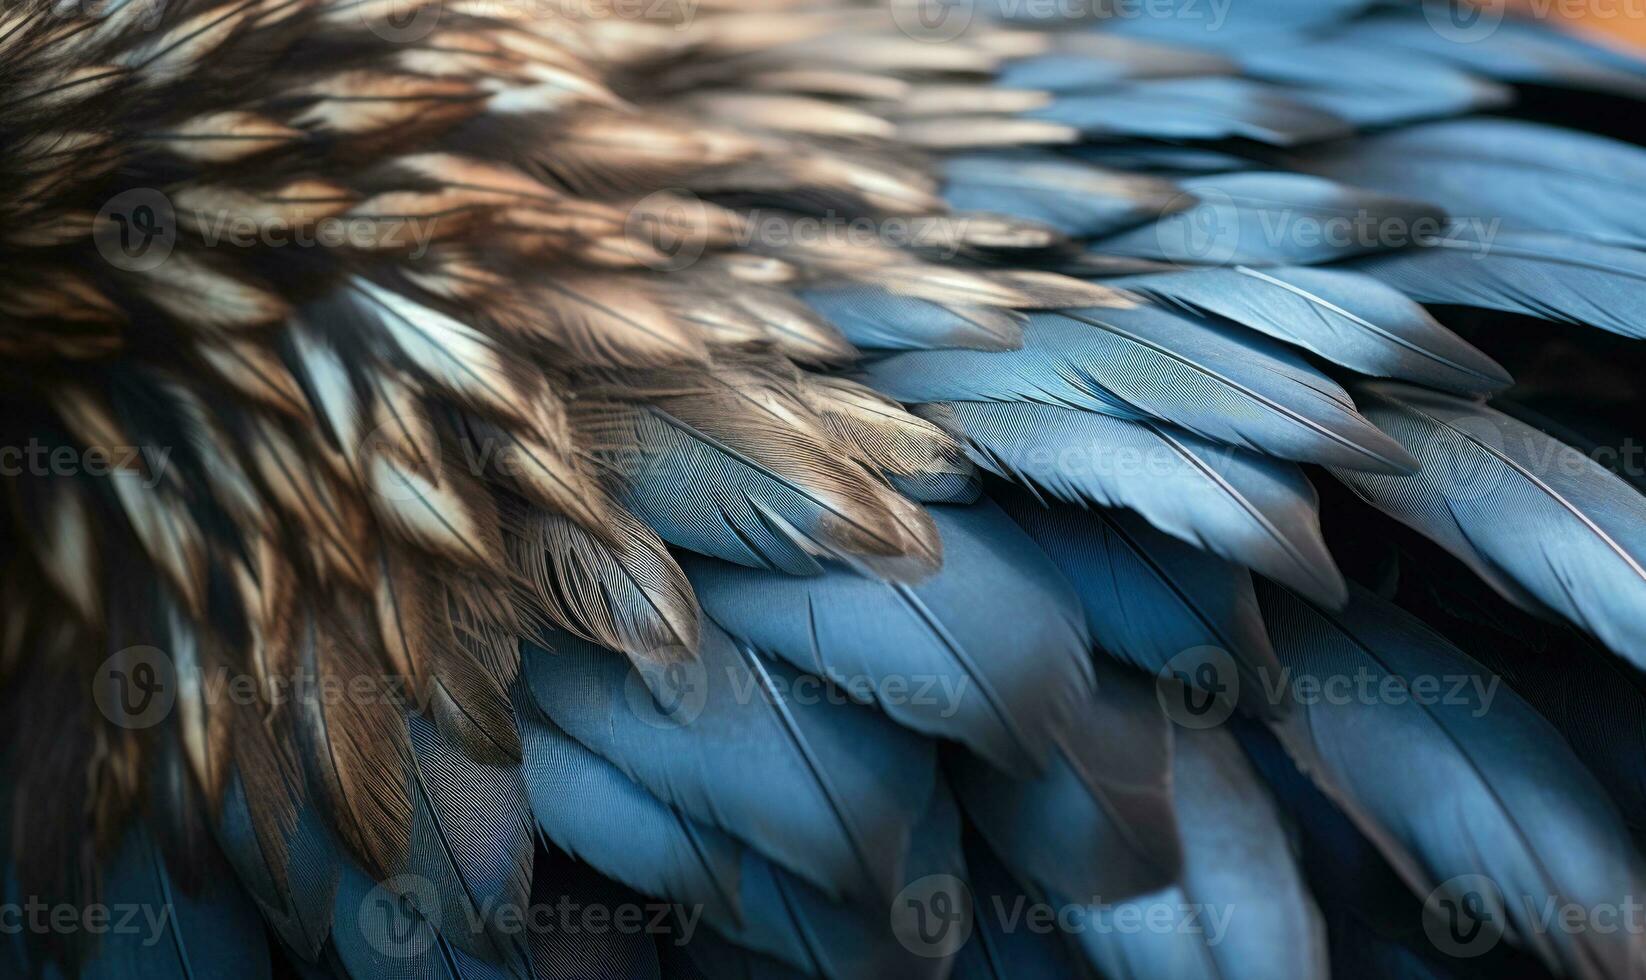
<point x="208" y="930"/>
<point x="744" y="472"/>
<point x="1462" y="782"/>
<point x="626" y="593"/>
<point x="1512" y="50"/>
<point x="877" y="318"/>
<point x="791" y="922"/>
<point x="291" y="876"/>
<point x="392" y="931"/>
<point x="1249" y="509"/>
<point x="1193" y="109"/>
<point x="1549" y="276"/>
<point x="1577" y="544"/>
<point x="1150" y="599"/>
<point x="1075" y="198"/>
<point x="356" y="747"/>
<point x="471" y="839"/>
<point x="828" y="791"/>
<point x="1093" y="60"/>
<point x="453" y="356"/>
<point x="1237" y="865"/>
<point x="1347" y="318"/>
<point x="877" y="432"/>
<point x="1000" y="947"/>
<point x="1191" y="23"/>
<point x="590" y="809"/>
<point x="1099" y="821"/>
<point x="1521" y="175"/>
<point x="1271" y="218"/>
<point x="989" y="652"/>
<point x="1218" y="382"/>
<point x="1369" y="87"/>
<point x="561" y="948"/>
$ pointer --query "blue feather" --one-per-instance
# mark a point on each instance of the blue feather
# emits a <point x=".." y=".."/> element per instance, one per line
<point x="1075" y="198"/>
<point x="1270" y="218"/>
<point x="471" y="838"/>
<point x="587" y="806"/>
<point x="988" y="652"/>
<point x="600" y="816"/>
<point x="1194" y="109"/>
<point x="1099" y="820"/>
<point x="762" y="502"/>
<point x="1252" y="510"/>
<point x="1367" y="86"/>
<point x="1453" y="775"/>
<point x="393" y="931"/>
<point x="1161" y="158"/>
<point x="1576" y="543"/>
<point x="829" y="791"/>
<point x="875" y="318"/>
<point x="1213" y="379"/>
<point x="572" y="946"/>
<point x="295" y="898"/>
<point x="1149" y="598"/>
<point x="1001" y="948"/>
<point x="1509" y="49"/>
<point x="210" y="930"/>
<point x="1092" y="61"/>
<point x="1345" y="317"/>
<point x="1549" y="276"/>
<point x="1204" y="24"/>
<point x="1240" y="907"/>
<point x="1527" y="176"/>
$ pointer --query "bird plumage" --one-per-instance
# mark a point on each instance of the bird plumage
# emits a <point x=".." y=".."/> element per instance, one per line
<point x="747" y="460"/>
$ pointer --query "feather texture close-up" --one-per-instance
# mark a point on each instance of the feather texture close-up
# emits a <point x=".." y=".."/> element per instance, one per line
<point x="708" y="489"/>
